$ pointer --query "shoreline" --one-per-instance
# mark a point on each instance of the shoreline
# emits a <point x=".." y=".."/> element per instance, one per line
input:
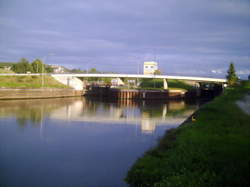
<point x="201" y="149"/>
<point x="37" y="93"/>
<point x="43" y="93"/>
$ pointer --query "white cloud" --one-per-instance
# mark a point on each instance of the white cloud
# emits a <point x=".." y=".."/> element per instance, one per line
<point x="243" y="72"/>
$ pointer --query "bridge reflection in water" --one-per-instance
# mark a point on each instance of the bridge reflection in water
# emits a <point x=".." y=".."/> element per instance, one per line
<point x="80" y="142"/>
<point x="146" y="114"/>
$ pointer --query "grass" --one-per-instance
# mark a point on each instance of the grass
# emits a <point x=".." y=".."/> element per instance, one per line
<point x="157" y="84"/>
<point x="4" y="64"/>
<point x="29" y="82"/>
<point x="212" y="151"/>
<point x="5" y="71"/>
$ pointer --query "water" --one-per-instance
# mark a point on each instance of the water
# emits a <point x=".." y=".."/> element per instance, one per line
<point x="79" y="142"/>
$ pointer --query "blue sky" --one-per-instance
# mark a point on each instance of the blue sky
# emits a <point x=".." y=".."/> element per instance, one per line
<point x="194" y="37"/>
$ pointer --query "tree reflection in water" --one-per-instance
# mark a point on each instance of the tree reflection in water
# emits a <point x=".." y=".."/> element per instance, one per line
<point x="147" y="114"/>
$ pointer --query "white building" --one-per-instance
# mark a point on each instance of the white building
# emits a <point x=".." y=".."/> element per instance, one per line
<point x="150" y="67"/>
<point x="58" y="69"/>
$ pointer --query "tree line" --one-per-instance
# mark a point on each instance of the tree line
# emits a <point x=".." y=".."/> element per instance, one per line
<point x="37" y="66"/>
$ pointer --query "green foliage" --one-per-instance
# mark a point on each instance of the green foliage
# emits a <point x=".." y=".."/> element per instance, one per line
<point x="157" y="72"/>
<point x="29" y="82"/>
<point x="93" y="70"/>
<point x="48" y="69"/>
<point x="212" y="151"/>
<point x="231" y="75"/>
<point x="5" y="71"/>
<point x="38" y="66"/>
<point x="6" y="64"/>
<point x="158" y="84"/>
<point x="77" y="71"/>
<point x="178" y="84"/>
<point x="106" y="80"/>
<point x="151" y="83"/>
<point x="22" y="66"/>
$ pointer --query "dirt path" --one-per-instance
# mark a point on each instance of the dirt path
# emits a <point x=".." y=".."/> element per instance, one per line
<point x="244" y="104"/>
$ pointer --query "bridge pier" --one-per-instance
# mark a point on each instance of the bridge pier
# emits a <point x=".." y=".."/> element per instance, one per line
<point x="165" y="84"/>
<point x="117" y="81"/>
<point x="198" y="89"/>
<point x="70" y="81"/>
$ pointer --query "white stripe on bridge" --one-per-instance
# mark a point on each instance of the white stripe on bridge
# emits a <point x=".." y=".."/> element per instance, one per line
<point x="199" y="79"/>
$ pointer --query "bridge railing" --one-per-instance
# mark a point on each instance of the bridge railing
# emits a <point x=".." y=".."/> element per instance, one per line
<point x="191" y="78"/>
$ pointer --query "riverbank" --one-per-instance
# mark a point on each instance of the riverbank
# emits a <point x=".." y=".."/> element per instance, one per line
<point x="34" y="87"/>
<point x="212" y="150"/>
<point x="30" y="82"/>
<point x="38" y="93"/>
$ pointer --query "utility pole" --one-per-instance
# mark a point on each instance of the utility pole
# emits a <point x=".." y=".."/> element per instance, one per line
<point x="42" y="76"/>
<point x="138" y="67"/>
<point x="45" y="59"/>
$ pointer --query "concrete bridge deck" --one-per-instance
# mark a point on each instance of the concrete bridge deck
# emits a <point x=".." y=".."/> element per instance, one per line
<point x="73" y="80"/>
<point x="190" y="78"/>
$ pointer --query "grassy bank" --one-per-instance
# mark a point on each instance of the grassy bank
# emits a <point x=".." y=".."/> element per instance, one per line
<point x="6" y="71"/>
<point x="156" y="84"/>
<point x="29" y="82"/>
<point x="212" y="151"/>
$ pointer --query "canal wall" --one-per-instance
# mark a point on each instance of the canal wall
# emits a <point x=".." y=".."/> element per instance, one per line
<point x="140" y="94"/>
<point x="6" y="93"/>
<point x="114" y="93"/>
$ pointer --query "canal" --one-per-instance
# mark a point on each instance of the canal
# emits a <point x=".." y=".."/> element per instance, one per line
<point x="79" y="142"/>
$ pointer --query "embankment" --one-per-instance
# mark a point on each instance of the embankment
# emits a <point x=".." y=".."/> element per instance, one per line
<point x="33" y="87"/>
<point x="212" y="150"/>
<point x="7" y="93"/>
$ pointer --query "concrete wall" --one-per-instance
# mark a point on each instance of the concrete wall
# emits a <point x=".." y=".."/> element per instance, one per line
<point x="38" y="93"/>
<point x="113" y="93"/>
<point x="72" y="82"/>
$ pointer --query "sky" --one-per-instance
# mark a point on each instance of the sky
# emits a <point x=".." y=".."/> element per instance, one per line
<point x="194" y="37"/>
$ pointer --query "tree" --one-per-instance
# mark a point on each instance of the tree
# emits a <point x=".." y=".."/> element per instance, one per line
<point x="157" y="72"/>
<point x="231" y="75"/>
<point x="48" y="69"/>
<point x="93" y="70"/>
<point x="22" y="66"/>
<point x="38" y="66"/>
<point x="77" y="71"/>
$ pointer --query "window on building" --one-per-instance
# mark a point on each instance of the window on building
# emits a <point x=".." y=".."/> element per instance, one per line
<point x="146" y="66"/>
<point x="152" y="67"/>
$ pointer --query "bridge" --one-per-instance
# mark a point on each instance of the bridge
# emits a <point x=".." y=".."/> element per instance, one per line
<point x="73" y="80"/>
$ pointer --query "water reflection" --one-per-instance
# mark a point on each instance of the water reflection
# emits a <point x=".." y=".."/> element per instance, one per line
<point x="146" y="114"/>
<point x="79" y="142"/>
